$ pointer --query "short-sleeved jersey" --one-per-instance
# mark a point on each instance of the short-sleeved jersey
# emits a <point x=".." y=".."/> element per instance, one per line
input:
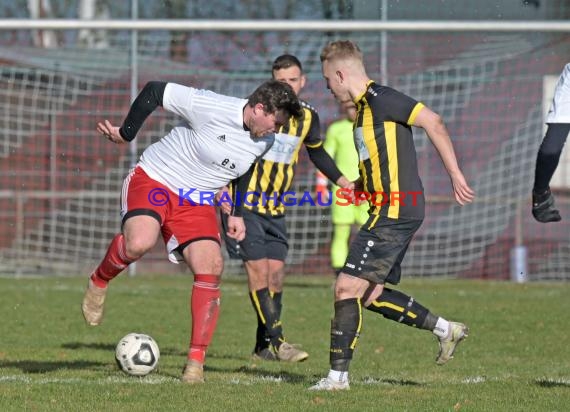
<point x="208" y="149"/>
<point x="560" y="108"/>
<point x="385" y="144"/>
<point x="274" y="173"/>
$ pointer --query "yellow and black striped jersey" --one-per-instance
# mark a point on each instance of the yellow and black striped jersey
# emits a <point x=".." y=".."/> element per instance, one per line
<point x="274" y="172"/>
<point x="387" y="155"/>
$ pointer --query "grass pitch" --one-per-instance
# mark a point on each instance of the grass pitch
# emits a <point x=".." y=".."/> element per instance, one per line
<point x="517" y="357"/>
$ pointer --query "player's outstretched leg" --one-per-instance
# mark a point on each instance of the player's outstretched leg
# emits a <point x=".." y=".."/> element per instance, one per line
<point x="113" y="263"/>
<point x="401" y="308"/>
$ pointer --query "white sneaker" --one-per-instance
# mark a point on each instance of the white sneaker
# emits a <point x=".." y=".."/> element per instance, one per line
<point x="327" y="384"/>
<point x="457" y="332"/>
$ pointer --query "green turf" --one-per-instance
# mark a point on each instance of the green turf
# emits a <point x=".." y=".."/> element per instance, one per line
<point x="517" y="357"/>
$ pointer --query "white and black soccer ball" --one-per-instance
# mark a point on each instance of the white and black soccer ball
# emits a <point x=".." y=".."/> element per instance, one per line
<point x="137" y="354"/>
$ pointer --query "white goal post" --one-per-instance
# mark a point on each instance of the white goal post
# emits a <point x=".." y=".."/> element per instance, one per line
<point x="288" y="25"/>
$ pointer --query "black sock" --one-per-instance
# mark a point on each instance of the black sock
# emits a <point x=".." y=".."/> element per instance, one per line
<point x="345" y="330"/>
<point x="277" y="298"/>
<point x="262" y="339"/>
<point x="266" y="311"/>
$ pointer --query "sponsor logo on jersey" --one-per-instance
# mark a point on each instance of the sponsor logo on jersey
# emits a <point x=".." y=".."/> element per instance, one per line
<point x="222" y="138"/>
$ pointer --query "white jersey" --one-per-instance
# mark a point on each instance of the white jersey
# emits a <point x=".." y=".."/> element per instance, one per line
<point x="560" y="109"/>
<point x="206" y="151"/>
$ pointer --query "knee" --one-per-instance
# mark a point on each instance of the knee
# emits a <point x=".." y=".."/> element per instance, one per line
<point x="204" y="257"/>
<point x="276" y="281"/>
<point x="258" y="278"/>
<point x="137" y="247"/>
<point x="349" y="287"/>
<point x="214" y="265"/>
<point x="217" y="266"/>
<point x="343" y="291"/>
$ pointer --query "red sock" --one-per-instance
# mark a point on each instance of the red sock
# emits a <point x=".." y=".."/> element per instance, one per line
<point x="113" y="263"/>
<point x="205" y="308"/>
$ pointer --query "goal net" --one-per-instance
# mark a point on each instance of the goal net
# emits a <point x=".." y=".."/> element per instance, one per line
<point x="60" y="181"/>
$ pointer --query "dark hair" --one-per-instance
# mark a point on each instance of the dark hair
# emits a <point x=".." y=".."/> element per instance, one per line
<point x="276" y="96"/>
<point x="285" y="61"/>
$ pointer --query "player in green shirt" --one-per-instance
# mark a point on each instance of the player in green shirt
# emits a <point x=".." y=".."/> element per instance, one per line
<point x="339" y="144"/>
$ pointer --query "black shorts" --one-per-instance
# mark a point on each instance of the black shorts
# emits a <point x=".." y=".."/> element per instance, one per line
<point x="265" y="237"/>
<point x="377" y="253"/>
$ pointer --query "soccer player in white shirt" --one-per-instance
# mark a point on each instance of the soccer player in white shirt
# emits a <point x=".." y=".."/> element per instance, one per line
<point x="558" y="121"/>
<point x="171" y="190"/>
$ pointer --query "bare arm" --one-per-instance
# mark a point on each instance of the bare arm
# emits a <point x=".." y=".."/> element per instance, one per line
<point x="432" y="123"/>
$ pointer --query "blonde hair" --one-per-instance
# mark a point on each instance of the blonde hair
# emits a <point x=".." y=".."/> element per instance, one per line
<point x="341" y="50"/>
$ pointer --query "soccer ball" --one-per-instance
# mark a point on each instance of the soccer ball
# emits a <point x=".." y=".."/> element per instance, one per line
<point x="137" y="354"/>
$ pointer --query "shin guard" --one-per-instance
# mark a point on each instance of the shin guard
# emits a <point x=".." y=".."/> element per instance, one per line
<point x="205" y="309"/>
<point x="114" y="262"/>
<point x="266" y="311"/>
<point x="345" y="330"/>
<point x="399" y="307"/>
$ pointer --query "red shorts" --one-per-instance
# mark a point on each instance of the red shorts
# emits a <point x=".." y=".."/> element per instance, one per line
<point x="180" y="224"/>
